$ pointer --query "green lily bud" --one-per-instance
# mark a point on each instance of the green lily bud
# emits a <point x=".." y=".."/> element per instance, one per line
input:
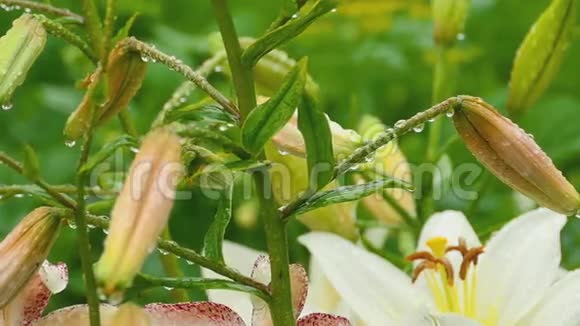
<point x="125" y="74"/>
<point x="25" y="248"/>
<point x="80" y="120"/>
<point x="540" y="55"/>
<point x="19" y="49"/>
<point x="513" y="156"/>
<point x="449" y="18"/>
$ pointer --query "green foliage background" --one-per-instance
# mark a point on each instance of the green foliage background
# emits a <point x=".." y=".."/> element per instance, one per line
<point x="377" y="62"/>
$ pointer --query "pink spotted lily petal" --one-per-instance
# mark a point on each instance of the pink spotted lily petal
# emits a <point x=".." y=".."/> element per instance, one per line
<point x="193" y="314"/>
<point x="318" y="319"/>
<point x="28" y="305"/>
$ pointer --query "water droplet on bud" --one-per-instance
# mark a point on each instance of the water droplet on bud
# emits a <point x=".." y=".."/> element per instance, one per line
<point x="450" y="113"/>
<point x="144" y="58"/>
<point x="189" y="262"/>
<point x="70" y="143"/>
<point x="168" y="288"/>
<point x="7" y="106"/>
<point x="460" y="37"/>
<point x="400" y="123"/>
<point x="163" y="252"/>
<point x="419" y="128"/>
<point x="282" y="152"/>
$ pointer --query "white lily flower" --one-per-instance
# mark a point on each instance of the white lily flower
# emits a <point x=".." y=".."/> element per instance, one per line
<point x="514" y="280"/>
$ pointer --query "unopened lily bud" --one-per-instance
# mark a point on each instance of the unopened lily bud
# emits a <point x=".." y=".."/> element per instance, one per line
<point x="540" y="55"/>
<point x="449" y="18"/>
<point x="141" y="211"/>
<point x="289" y="139"/>
<point x="25" y="248"/>
<point x="513" y="156"/>
<point x="388" y="161"/>
<point x="125" y="74"/>
<point x="19" y="49"/>
<point x="131" y="315"/>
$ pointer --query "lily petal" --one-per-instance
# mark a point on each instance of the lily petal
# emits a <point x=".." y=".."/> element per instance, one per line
<point x="377" y="291"/>
<point x="242" y="259"/>
<point x="455" y="320"/>
<point x="559" y="306"/>
<point x="76" y="315"/>
<point x="28" y="305"/>
<point x="323" y="320"/>
<point x="520" y="263"/>
<point x="448" y="224"/>
<point x="298" y="282"/>
<point x="193" y="314"/>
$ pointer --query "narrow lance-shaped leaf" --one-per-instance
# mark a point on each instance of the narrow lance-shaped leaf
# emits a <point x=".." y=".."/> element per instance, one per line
<point x="108" y="150"/>
<point x="263" y="122"/>
<point x="541" y="54"/>
<point x="286" y="32"/>
<point x="214" y="238"/>
<point x="314" y="127"/>
<point x="350" y="193"/>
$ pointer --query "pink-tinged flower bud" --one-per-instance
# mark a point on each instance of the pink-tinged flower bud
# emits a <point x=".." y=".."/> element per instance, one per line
<point x="513" y="156"/>
<point x="449" y="18"/>
<point x="125" y="74"/>
<point x="19" y="49"/>
<point x="289" y="139"/>
<point x="141" y="211"/>
<point x="388" y="161"/>
<point x="25" y="248"/>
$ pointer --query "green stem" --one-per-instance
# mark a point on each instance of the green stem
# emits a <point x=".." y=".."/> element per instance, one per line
<point x="361" y="153"/>
<point x="44" y="8"/>
<point x="111" y="10"/>
<point x="127" y="124"/>
<point x="193" y="257"/>
<point x="64" y="33"/>
<point x="241" y="75"/>
<point x="177" y="65"/>
<point x="171" y="267"/>
<point x="94" y="27"/>
<point x="277" y="242"/>
<point x="83" y="238"/>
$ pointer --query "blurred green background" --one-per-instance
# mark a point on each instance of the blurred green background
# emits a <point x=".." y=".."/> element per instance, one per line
<point x="370" y="56"/>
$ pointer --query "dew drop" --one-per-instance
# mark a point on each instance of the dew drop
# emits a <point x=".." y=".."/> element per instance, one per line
<point x="182" y="100"/>
<point x="163" y="252"/>
<point x="218" y="69"/>
<point x="168" y="288"/>
<point x="460" y="37"/>
<point x="106" y="231"/>
<point x="27" y="10"/>
<point x="577" y="214"/>
<point x="6" y="106"/>
<point x="19" y="196"/>
<point x="223" y="128"/>
<point x="135" y="150"/>
<point x="353" y="167"/>
<point x="144" y="58"/>
<point x="531" y="136"/>
<point x="333" y="10"/>
<point x="70" y="143"/>
<point x="294" y="16"/>
<point x="71" y="224"/>
<point x="419" y="128"/>
<point x="189" y="262"/>
<point x="431" y="120"/>
<point x="400" y="123"/>
<point x="450" y="113"/>
<point x="282" y="152"/>
<point x="91" y="226"/>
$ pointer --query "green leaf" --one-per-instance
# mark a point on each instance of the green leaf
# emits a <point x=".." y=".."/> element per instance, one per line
<point x="200" y="111"/>
<point x="349" y="193"/>
<point x="264" y="121"/>
<point x="314" y="127"/>
<point x="107" y="151"/>
<point x="285" y="33"/>
<point x="124" y="31"/>
<point x="214" y="238"/>
<point x="31" y="165"/>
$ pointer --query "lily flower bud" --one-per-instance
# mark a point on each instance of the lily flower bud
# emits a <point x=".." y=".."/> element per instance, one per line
<point x="540" y="55"/>
<point x="125" y="74"/>
<point x="388" y="161"/>
<point x="19" y="49"/>
<point x="289" y="175"/>
<point x="513" y="156"/>
<point x="25" y="248"/>
<point x="449" y="17"/>
<point x="289" y="139"/>
<point x="141" y="211"/>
